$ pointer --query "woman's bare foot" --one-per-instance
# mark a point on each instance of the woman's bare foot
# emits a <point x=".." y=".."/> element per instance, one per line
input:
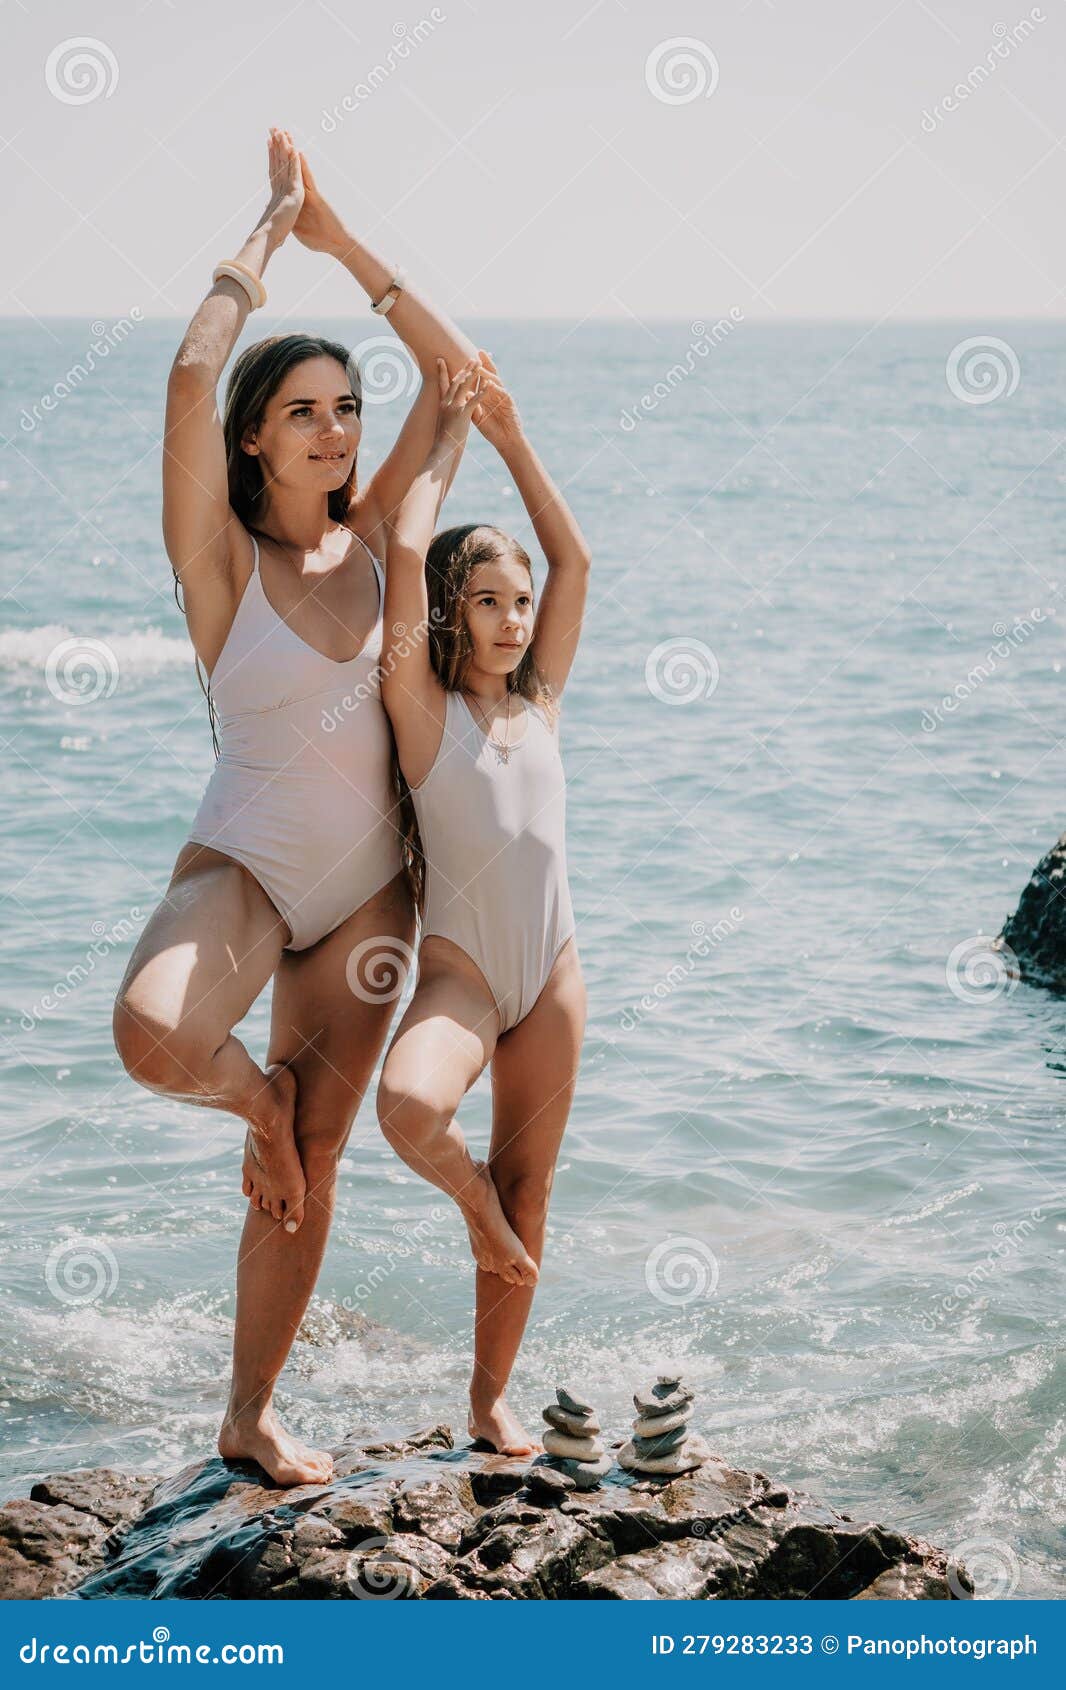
<point x="273" y="1175"/>
<point x="496" y="1424"/>
<point x="495" y="1245"/>
<point x="259" y="1436"/>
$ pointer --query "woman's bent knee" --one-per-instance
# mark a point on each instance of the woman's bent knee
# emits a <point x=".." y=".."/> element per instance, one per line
<point x="156" y="1055"/>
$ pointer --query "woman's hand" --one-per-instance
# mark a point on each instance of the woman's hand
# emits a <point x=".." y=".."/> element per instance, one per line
<point x="458" y="397"/>
<point x="496" y="414"/>
<point x="286" y="185"/>
<point x="318" y="225"/>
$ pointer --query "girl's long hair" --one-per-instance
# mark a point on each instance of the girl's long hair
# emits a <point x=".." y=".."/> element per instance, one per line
<point x="254" y="380"/>
<point x="452" y="557"/>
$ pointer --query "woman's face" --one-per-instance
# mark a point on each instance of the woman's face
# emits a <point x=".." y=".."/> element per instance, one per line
<point x="310" y="432"/>
<point x="499" y="614"/>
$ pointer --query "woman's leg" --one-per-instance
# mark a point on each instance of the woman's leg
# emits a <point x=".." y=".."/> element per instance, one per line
<point x="441" y="1046"/>
<point x="201" y="962"/>
<point x="534" y="1072"/>
<point x="330" y="1038"/>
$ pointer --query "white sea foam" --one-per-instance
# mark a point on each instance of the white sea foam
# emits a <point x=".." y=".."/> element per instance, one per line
<point x="136" y="650"/>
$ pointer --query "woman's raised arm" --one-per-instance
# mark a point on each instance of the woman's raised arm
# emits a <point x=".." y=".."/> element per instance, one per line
<point x="428" y="333"/>
<point x="199" y="528"/>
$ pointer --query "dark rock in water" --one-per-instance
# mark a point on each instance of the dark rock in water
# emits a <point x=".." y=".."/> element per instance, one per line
<point x="66" y="1526"/>
<point x="417" y="1518"/>
<point x="1033" y="939"/>
<point x="549" y="1483"/>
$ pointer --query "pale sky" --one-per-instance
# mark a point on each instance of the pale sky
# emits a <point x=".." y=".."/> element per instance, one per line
<point x="518" y="162"/>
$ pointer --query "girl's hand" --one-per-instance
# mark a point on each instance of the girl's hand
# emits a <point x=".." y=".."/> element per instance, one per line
<point x="458" y="398"/>
<point x="318" y="225"/>
<point x="496" y="414"/>
<point x="286" y="184"/>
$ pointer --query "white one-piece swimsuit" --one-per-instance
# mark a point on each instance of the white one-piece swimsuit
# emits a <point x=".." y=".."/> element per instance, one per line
<point x="302" y="793"/>
<point x="494" y="840"/>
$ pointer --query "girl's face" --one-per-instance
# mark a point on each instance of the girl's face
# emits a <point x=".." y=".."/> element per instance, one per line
<point x="310" y="433"/>
<point x="499" y="614"/>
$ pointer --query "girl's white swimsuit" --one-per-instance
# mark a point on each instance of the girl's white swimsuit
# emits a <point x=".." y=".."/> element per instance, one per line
<point x="494" y="840"/>
<point x="302" y="793"/>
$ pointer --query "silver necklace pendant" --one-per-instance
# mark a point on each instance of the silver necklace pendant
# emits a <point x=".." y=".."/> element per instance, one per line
<point x="503" y="752"/>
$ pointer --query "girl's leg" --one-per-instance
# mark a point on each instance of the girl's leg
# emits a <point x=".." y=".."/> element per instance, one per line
<point x="441" y="1046"/>
<point x="201" y="962"/>
<point x="330" y="1039"/>
<point x="534" y="1072"/>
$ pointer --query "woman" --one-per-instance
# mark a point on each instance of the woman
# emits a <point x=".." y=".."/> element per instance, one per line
<point x="475" y="711"/>
<point x="293" y="869"/>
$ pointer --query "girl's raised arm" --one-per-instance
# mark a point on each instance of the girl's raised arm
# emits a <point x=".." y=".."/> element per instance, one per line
<point x="429" y="334"/>
<point x="562" y="603"/>
<point x="199" y="528"/>
<point x="410" y="690"/>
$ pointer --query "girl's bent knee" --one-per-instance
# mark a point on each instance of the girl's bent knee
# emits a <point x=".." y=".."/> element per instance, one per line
<point x="407" y="1112"/>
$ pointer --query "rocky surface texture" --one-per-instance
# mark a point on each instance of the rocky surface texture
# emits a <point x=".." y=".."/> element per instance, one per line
<point x="422" y="1519"/>
<point x="1033" y="939"/>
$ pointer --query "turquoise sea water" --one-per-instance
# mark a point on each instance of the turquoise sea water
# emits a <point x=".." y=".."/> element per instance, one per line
<point x="817" y="1151"/>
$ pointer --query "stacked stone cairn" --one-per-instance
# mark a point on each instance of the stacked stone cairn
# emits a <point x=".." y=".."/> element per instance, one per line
<point x="574" y="1456"/>
<point x="662" y="1443"/>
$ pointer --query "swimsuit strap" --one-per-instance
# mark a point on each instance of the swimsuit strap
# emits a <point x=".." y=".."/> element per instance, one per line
<point x="255" y="554"/>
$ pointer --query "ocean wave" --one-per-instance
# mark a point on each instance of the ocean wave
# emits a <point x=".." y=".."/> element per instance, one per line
<point x="136" y="650"/>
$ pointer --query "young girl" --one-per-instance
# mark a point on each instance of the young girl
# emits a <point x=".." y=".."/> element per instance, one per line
<point x="472" y="687"/>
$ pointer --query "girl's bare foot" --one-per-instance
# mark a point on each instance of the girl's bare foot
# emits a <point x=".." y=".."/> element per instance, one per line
<point x="496" y="1424"/>
<point x="495" y="1245"/>
<point x="273" y="1176"/>
<point x="258" y="1435"/>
